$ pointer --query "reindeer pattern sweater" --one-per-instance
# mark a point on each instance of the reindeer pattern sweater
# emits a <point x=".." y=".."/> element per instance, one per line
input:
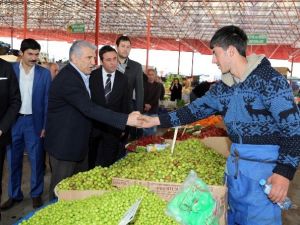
<point x="257" y="109"/>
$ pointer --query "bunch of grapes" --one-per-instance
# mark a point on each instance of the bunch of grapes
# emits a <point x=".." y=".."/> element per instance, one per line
<point x="106" y="209"/>
<point x="155" y="166"/>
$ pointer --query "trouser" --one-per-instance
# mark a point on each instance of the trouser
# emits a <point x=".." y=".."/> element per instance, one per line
<point x="104" y="150"/>
<point x="2" y="158"/>
<point x="248" y="204"/>
<point x="24" y="136"/>
<point x="61" y="169"/>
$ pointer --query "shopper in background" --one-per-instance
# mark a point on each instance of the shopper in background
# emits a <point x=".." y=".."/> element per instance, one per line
<point x="134" y="73"/>
<point x="54" y="69"/>
<point x="152" y="93"/>
<point x="70" y="112"/>
<point x="29" y="130"/>
<point x="186" y="90"/>
<point x="176" y="89"/>
<point x="263" y="123"/>
<point x="109" y="89"/>
<point x="10" y="103"/>
<point x="162" y="87"/>
<point x="200" y="89"/>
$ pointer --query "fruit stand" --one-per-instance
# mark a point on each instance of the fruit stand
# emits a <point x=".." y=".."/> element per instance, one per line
<point x="160" y="172"/>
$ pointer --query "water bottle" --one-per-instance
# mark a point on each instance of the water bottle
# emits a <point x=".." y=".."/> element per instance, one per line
<point x="286" y="204"/>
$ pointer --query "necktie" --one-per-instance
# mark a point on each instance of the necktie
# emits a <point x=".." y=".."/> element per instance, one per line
<point x="107" y="88"/>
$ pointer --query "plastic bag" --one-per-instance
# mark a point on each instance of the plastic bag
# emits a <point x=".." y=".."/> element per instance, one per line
<point x="194" y="203"/>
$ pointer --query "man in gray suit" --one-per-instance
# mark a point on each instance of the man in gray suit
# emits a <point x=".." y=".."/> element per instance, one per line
<point x="134" y="73"/>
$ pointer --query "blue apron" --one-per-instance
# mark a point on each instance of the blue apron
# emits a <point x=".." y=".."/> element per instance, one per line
<point x="248" y="204"/>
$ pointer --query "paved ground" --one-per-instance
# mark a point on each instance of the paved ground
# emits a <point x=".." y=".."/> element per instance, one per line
<point x="291" y="217"/>
<point x="12" y="215"/>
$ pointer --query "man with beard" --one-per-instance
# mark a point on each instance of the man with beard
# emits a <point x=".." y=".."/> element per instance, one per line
<point x="134" y="73"/>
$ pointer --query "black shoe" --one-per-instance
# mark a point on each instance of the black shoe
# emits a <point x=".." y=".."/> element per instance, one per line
<point x="37" y="202"/>
<point x="9" y="203"/>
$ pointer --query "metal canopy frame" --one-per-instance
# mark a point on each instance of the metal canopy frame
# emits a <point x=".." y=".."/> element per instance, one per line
<point x="191" y="22"/>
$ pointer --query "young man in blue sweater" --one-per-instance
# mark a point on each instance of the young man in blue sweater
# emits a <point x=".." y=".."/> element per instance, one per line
<point x="263" y="123"/>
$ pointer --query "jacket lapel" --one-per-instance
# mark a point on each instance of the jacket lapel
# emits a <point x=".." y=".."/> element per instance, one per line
<point x="16" y="67"/>
<point x="100" y="85"/>
<point x="36" y="78"/>
<point x="116" y="86"/>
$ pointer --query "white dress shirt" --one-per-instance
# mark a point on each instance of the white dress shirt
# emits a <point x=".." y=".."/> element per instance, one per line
<point x="85" y="78"/>
<point x="26" y="85"/>
<point x="104" y="77"/>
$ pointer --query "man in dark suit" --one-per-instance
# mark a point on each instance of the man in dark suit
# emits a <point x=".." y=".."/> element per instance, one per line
<point x="134" y="73"/>
<point x="109" y="88"/>
<point x="29" y="130"/>
<point x="10" y="103"/>
<point x="70" y="112"/>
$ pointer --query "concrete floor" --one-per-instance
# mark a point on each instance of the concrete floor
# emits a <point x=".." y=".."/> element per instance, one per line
<point x="20" y="210"/>
<point x="11" y="216"/>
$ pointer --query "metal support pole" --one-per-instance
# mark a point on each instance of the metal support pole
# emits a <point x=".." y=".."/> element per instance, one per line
<point x="148" y="34"/>
<point x="179" y="46"/>
<point x="97" y="26"/>
<point x="192" y="70"/>
<point x="292" y="65"/>
<point x="12" y="38"/>
<point x="25" y="20"/>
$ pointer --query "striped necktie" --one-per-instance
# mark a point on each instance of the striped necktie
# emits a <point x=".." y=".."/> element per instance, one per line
<point x="107" y="88"/>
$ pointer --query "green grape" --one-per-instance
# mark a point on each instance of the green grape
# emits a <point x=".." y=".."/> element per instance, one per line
<point x="106" y="209"/>
<point x="160" y="166"/>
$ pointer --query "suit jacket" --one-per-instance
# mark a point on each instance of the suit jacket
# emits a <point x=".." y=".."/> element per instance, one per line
<point x="134" y="75"/>
<point x="70" y="112"/>
<point x="40" y="90"/>
<point x="10" y="101"/>
<point x="118" y="98"/>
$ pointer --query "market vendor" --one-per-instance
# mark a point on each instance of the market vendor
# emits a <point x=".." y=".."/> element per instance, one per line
<point x="263" y="123"/>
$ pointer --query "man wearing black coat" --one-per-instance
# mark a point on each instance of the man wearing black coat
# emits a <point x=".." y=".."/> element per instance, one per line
<point x="10" y="103"/>
<point x="70" y="111"/>
<point x="109" y="88"/>
<point x="134" y="73"/>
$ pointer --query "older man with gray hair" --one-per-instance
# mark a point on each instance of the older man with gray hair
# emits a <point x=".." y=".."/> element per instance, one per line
<point x="70" y="113"/>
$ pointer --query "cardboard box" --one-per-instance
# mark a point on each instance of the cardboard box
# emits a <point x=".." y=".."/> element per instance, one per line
<point x="167" y="190"/>
<point x="219" y="144"/>
<point x="68" y="195"/>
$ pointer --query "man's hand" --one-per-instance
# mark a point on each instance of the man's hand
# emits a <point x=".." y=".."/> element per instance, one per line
<point x="43" y="133"/>
<point x="148" y="121"/>
<point x="133" y="119"/>
<point x="147" y="107"/>
<point x="280" y="187"/>
<point x="1" y="133"/>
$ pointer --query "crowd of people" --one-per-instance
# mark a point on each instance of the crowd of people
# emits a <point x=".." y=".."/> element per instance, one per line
<point x="82" y="117"/>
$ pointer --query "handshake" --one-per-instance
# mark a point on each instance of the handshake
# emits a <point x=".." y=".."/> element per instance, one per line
<point x="136" y="119"/>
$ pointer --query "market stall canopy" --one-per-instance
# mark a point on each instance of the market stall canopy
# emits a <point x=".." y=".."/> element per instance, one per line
<point x="273" y="26"/>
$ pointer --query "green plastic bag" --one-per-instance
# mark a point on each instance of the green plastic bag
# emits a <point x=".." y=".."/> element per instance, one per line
<point x="194" y="203"/>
